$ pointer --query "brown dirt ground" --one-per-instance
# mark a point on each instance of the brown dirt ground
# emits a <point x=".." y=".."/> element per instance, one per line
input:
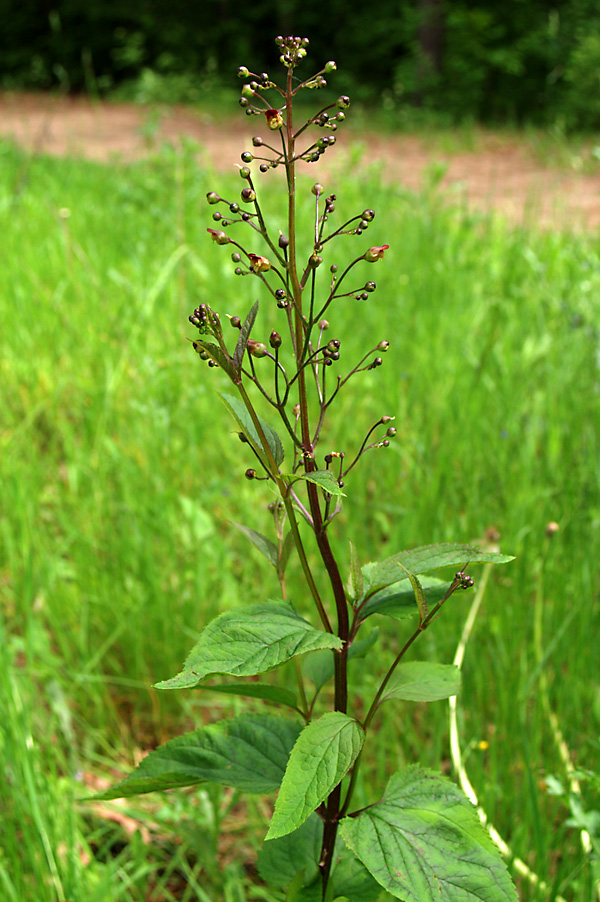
<point x="500" y="174"/>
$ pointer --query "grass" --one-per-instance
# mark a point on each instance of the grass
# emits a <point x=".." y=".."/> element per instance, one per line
<point x="119" y="473"/>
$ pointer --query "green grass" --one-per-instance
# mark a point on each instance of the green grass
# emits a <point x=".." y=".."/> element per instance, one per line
<point x="119" y="472"/>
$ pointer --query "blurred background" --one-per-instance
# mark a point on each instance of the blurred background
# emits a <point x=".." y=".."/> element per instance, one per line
<point x="473" y="134"/>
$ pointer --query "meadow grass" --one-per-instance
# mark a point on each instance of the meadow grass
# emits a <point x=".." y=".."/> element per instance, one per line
<point x="120" y="470"/>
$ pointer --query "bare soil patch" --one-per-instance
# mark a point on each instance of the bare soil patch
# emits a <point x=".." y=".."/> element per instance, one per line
<point x="500" y="174"/>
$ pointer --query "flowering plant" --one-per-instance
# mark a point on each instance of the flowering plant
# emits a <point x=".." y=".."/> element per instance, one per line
<point x="421" y="841"/>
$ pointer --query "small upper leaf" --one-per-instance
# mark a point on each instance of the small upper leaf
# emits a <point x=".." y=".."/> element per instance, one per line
<point x="424" y="841"/>
<point x="421" y="681"/>
<point x="249" y="752"/>
<point x="323" y="754"/>
<point x="242" y="342"/>
<point x="266" y="547"/>
<point x="248" y="641"/>
<point x="244" y="421"/>
<point x="324" y="478"/>
<point x="426" y="558"/>
<point x="398" y="599"/>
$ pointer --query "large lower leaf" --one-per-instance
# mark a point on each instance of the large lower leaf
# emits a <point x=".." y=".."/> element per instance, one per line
<point x="281" y="859"/>
<point x="248" y="641"/>
<point x="422" y="681"/>
<point x="427" y="558"/>
<point x="323" y="754"/>
<point x="249" y="752"/>
<point x="424" y="842"/>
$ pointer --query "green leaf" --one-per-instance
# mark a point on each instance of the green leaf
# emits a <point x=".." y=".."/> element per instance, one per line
<point x="244" y="421"/>
<point x="356" y="576"/>
<point x="249" y="640"/>
<point x="424" y="841"/>
<point x="319" y="666"/>
<point x="351" y="879"/>
<point x="248" y="752"/>
<point x="264" y="691"/>
<point x="267" y="548"/>
<point x="323" y="478"/>
<point x="217" y="355"/>
<point x="281" y="859"/>
<point x="420" y="597"/>
<point x="420" y="681"/>
<point x="286" y="549"/>
<point x="398" y="599"/>
<point x="242" y="342"/>
<point x="323" y="754"/>
<point x="426" y="558"/>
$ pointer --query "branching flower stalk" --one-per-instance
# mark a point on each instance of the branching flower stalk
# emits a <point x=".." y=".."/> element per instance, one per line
<point x="313" y="760"/>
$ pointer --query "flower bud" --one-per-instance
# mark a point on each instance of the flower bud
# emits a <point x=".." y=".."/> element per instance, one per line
<point x="383" y="345"/>
<point x="243" y="102"/>
<point x="274" y="119"/>
<point x="212" y="197"/>
<point x="391" y="432"/>
<point x="323" y="324"/>
<point x="315" y="260"/>
<point x="236" y="257"/>
<point x="369" y="215"/>
<point x="329" y="66"/>
<point x="275" y="339"/>
<point x="257" y="348"/>
<point x="283" y="241"/>
<point x="259" y="264"/>
<point x="279" y="294"/>
<point x="343" y="102"/>
<point x="250" y="473"/>
<point x="245" y="172"/>
<point x="246" y="157"/>
<point x="234" y="208"/>
<point x="387" y="419"/>
<point x="333" y="344"/>
<point x="247" y="92"/>
<point x="217" y="216"/>
<point x="236" y="322"/>
<point x="264" y="167"/>
<point x="370" y="286"/>
<point x="317" y="188"/>
<point x="376" y="253"/>
<point x="219" y="237"/>
<point x="257" y="142"/>
<point x="248" y="194"/>
<point x="243" y="72"/>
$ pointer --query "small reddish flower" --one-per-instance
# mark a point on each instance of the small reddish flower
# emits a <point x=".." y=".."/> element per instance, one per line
<point x="376" y="253"/>
<point x="274" y="119"/>
<point x="218" y="236"/>
<point x="259" y="264"/>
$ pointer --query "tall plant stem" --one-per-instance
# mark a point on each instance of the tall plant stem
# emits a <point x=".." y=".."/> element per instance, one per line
<point x="340" y="658"/>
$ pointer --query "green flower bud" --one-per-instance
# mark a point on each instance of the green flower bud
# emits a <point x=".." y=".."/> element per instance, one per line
<point x="248" y="195"/>
<point x="330" y="66"/>
<point x="245" y="172"/>
<point x="383" y="346"/>
<point x="318" y="188"/>
<point x="247" y="92"/>
<point x="247" y="157"/>
<point x="212" y="197"/>
<point x="243" y="72"/>
<point x="343" y="102"/>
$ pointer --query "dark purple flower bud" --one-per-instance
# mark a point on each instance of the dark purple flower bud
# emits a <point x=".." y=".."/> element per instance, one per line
<point x="275" y="339"/>
<point x="250" y="473"/>
<point x="246" y="157"/>
<point x="283" y="241"/>
<point x="236" y="322"/>
<point x="369" y="215"/>
<point x="264" y="167"/>
<point x="248" y="195"/>
<point x="343" y="102"/>
<point x="234" y="208"/>
<point x="279" y="294"/>
<point x="370" y="286"/>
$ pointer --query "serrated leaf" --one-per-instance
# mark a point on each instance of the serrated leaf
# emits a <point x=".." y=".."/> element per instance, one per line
<point x="262" y="691"/>
<point x="352" y="880"/>
<point x="281" y="859"/>
<point x="242" y="342"/>
<point x="250" y="640"/>
<point x="319" y="666"/>
<point x="244" y="421"/>
<point x="427" y="558"/>
<point x="267" y="548"/>
<point x="248" y="752"/>
<point x="323" y="478"/>
<point x="323" y="754"/>
<point x="422" y="681"/>
<point x="398" y="599"/>
<point x="424" y="841"/>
